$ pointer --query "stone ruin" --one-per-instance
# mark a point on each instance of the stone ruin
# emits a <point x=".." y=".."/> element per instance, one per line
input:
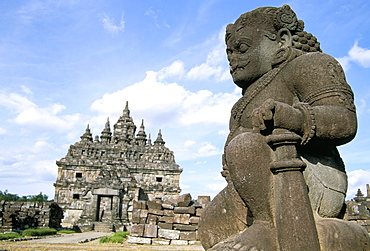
<point x="99" y="179"/>
<point x="171" y="222"/>
<point x="17" y="215"/>
<point x="358" y="209"/>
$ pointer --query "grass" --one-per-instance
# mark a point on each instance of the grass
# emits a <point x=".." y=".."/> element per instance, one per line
<point x="118" y="237"/>
<point x="39" y="232"/>
<point x="10" y="236"/>
<point x="65" y="231"/>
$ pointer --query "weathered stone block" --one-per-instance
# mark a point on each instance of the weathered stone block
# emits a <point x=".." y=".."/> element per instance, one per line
<point x="181" y="218"/>
<point x="167" y="219"/>
<point x="139" y="240"/>
<point x="139" y="205"/>
<point x="143" y="213"/>
<point x="184" y="200"/>
<point x="164" y="225"/>
<point x="160" y="241"/>
<point x="189" y="236"/>
<point x="185" y="227"/>
<point x="152" y="219"/>
<point x="151" y="231"/>
<point x="153" y="205"/>
<point x="179" y="242"/>
<point x="167" y="206"/>
<point x="199" y="212"/>
<point x="184" y="210"/>
<point x="135" y="216"/>
<point x="169" y="234"/>
<point x="204" y="200"/>
<point x="194" y="242"/>
<point x="137" y="230"/>
<point x="194" y="220"/>
<point x="155" y="211"/>
<point x="168" y="213"/>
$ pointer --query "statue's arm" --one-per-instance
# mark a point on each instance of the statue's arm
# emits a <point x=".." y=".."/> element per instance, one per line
<point x="326" y="111"/>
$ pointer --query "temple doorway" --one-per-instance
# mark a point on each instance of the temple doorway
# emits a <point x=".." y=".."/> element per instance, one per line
<point x="104" y="208"/>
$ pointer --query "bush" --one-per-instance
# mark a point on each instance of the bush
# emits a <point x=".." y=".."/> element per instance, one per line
<point x="10" y="236"/>
<point x="39" y="232"/>
<point x="122" y="234"/>
<point x="118" y="237"/>
<point x="65" y="231"/>
<point x="104" y="239"/>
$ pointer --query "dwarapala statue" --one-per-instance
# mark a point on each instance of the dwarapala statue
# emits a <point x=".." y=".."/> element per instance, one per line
<point x="286" y="180"/>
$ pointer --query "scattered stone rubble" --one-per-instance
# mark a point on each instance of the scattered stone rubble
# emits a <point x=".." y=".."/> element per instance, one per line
<point x="17" y="215"/>
<point x="358" y="209"/>
<point x="166" y="223"/>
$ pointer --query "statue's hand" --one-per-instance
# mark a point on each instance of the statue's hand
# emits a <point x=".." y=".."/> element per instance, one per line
<point x="281" y="115"/>
<point x="263" y="113"/>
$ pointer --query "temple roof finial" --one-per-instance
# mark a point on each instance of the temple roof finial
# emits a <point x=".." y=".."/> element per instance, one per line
<point x="159" y="140"/>
<point x="87" y="136"/>
<point x="150" y="140"/>
<point x="141" y="135"/>
<point x="126" y="111"/>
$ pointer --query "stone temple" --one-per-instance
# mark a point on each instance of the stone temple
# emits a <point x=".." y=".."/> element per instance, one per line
<point x="100" y="177"/>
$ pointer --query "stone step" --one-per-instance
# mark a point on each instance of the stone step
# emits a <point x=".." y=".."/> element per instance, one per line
<point x="103" y="227"/>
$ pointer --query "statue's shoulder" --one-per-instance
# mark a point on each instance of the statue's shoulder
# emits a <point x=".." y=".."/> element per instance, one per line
<point x="315" y="59"/>
<point x="313" y="67"/>
<point x="313" y="74"/>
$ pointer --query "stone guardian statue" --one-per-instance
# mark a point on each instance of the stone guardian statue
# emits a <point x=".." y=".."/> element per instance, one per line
<point x="286" y="180"/>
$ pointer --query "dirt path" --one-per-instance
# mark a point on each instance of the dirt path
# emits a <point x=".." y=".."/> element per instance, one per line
<point x="71" y="242"/>
<point x="71" y="238"/>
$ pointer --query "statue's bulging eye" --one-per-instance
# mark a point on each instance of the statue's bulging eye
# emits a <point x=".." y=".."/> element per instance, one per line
<point x="243" y="47"/>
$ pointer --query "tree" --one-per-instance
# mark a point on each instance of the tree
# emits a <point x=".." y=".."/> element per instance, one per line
<point x="8" y="196"/>
<point x="14" y="197"/>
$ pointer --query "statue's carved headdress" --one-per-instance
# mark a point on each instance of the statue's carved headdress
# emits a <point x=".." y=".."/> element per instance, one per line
<point x="271" y="20"/>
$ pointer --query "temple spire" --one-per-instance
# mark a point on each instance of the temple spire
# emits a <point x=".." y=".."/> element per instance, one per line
<point x="141" y="135"/>
<point x="159" y="140"/>
<point x="87" y="136"/>
<point x="149" y="140"/>
<point x="126" y="111"/>
<point x="106" y="133"/>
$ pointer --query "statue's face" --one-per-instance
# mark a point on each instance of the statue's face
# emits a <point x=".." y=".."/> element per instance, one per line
<point x="250" y="53"/>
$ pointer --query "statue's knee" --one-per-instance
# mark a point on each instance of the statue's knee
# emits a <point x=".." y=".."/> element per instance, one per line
<point x="246" y="149"/>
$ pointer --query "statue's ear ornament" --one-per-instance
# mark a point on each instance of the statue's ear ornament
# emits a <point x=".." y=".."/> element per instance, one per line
<point x="285" y="17"/>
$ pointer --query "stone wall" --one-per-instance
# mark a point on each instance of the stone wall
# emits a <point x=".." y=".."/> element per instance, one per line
<point x="17" y="215"/>
<point x="358" y="209"/>
<point x="168" y="222"/>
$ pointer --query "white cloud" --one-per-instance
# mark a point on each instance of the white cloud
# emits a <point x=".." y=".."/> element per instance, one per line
<point x="360" y="55"/>
<point x="357" y="179"/>
<point x="175" y="69"/>
<point x="217" y="187"/>
<point x="193" y="150"/>
<point x="345" y="62"/>
<point x="110" y="26"/>
<point x="3" y="131"/>
<point x="215" y="65"/>
<point x="208" y="149"/>
<point x="189" y="143"/>
<point x="357" y="55"/>
<point x="30" y="114"/>
<point x="26" y="90"/>
<point x="15" y="102"/>
<point x="168" y="102"/>
<point x="183" y="186"/>
<point x="219" y="177"/>
<point x="201" y="162"/>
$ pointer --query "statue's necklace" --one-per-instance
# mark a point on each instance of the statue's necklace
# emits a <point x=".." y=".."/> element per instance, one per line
<point x="250" y="94"/>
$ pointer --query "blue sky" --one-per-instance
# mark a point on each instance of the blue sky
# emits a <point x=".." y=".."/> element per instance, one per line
<point x="66" y="64"/>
